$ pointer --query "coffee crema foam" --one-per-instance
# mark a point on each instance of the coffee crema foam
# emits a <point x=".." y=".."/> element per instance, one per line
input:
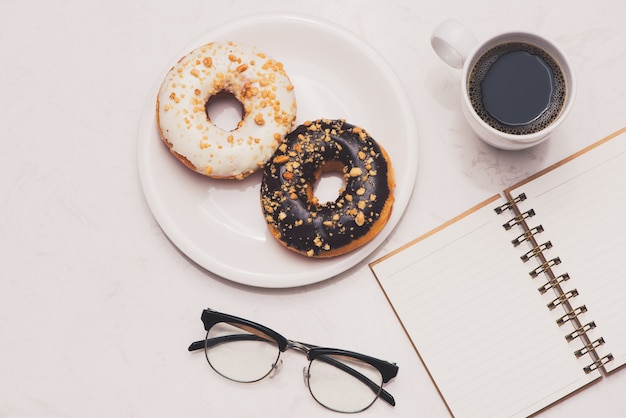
<point x="482" y="67"/>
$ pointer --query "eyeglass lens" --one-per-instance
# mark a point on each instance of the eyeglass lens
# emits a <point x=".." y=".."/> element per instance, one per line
<point x="343" y="384"/>
<point x="240" y="354"/>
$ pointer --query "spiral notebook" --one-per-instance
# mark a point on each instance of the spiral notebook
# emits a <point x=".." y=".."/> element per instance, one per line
<point x="521" y="300"/>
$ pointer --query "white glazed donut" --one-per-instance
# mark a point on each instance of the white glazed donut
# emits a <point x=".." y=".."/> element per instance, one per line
<point x="257" y="81"/>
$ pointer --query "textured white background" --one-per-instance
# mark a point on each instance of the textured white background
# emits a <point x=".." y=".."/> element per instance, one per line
<point x="97" y="307"/>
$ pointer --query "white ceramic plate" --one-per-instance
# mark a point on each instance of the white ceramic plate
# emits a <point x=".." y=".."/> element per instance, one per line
<point x="218" y="223"/>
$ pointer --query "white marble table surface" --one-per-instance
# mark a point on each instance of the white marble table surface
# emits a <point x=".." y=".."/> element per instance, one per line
<point x="97" y="306"/>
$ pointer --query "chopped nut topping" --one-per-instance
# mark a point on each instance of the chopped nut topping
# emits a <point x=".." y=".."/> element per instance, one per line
<point x="280" y="159"/>
<point x="258" y="119"/>
<point x="355" y="172"/>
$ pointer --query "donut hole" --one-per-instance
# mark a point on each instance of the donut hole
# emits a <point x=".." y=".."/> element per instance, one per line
<point x="329" y="184"/>
<point x="224" y="110"/>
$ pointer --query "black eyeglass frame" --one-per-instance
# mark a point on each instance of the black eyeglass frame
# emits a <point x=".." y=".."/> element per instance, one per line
<point x="387" y="369"/>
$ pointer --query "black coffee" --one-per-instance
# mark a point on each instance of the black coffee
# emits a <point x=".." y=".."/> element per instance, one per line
<point x="517" y="88"/>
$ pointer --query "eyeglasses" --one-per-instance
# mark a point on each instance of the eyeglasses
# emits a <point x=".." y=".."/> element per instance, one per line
<point x="340" y="380"/>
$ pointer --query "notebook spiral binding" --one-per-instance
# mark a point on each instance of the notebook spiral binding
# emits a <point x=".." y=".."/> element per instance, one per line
<point x="564" y="298"/>
<point x="536" y="251"/>
<point x="510" y="203"/>
<point x="560" y="300"/>
<point x="519" y="219"/>
<point x="527" y="235"/>
<point x="598" y="363"/>
<point x="553" y="282"/>
<point x="571" y="315"/>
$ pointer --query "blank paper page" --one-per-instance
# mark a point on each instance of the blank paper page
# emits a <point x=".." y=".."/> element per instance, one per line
<point x="476" y="319"/>
<point x="581" y="206"/>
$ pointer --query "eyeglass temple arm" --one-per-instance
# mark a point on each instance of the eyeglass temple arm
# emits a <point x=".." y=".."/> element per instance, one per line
<point x="384" y="395"/>
<point x="199" y="345"/>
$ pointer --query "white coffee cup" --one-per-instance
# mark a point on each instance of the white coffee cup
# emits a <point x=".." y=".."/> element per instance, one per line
<point x="458" y="47"/>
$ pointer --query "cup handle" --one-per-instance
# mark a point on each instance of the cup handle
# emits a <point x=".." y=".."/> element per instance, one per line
<point x="453" y="42"/>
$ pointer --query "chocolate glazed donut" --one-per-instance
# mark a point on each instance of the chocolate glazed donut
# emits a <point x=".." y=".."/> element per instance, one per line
<point x="325" y="229"/>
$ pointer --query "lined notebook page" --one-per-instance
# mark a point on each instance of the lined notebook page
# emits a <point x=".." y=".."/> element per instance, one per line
<point x="582" y="207"/>
<point x="476" y="319"/>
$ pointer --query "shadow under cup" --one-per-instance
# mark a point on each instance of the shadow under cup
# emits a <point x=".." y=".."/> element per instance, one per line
<point x="518" y="87"/>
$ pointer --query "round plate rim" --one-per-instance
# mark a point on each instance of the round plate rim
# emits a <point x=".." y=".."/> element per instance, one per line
<point x="316" y="273"/>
